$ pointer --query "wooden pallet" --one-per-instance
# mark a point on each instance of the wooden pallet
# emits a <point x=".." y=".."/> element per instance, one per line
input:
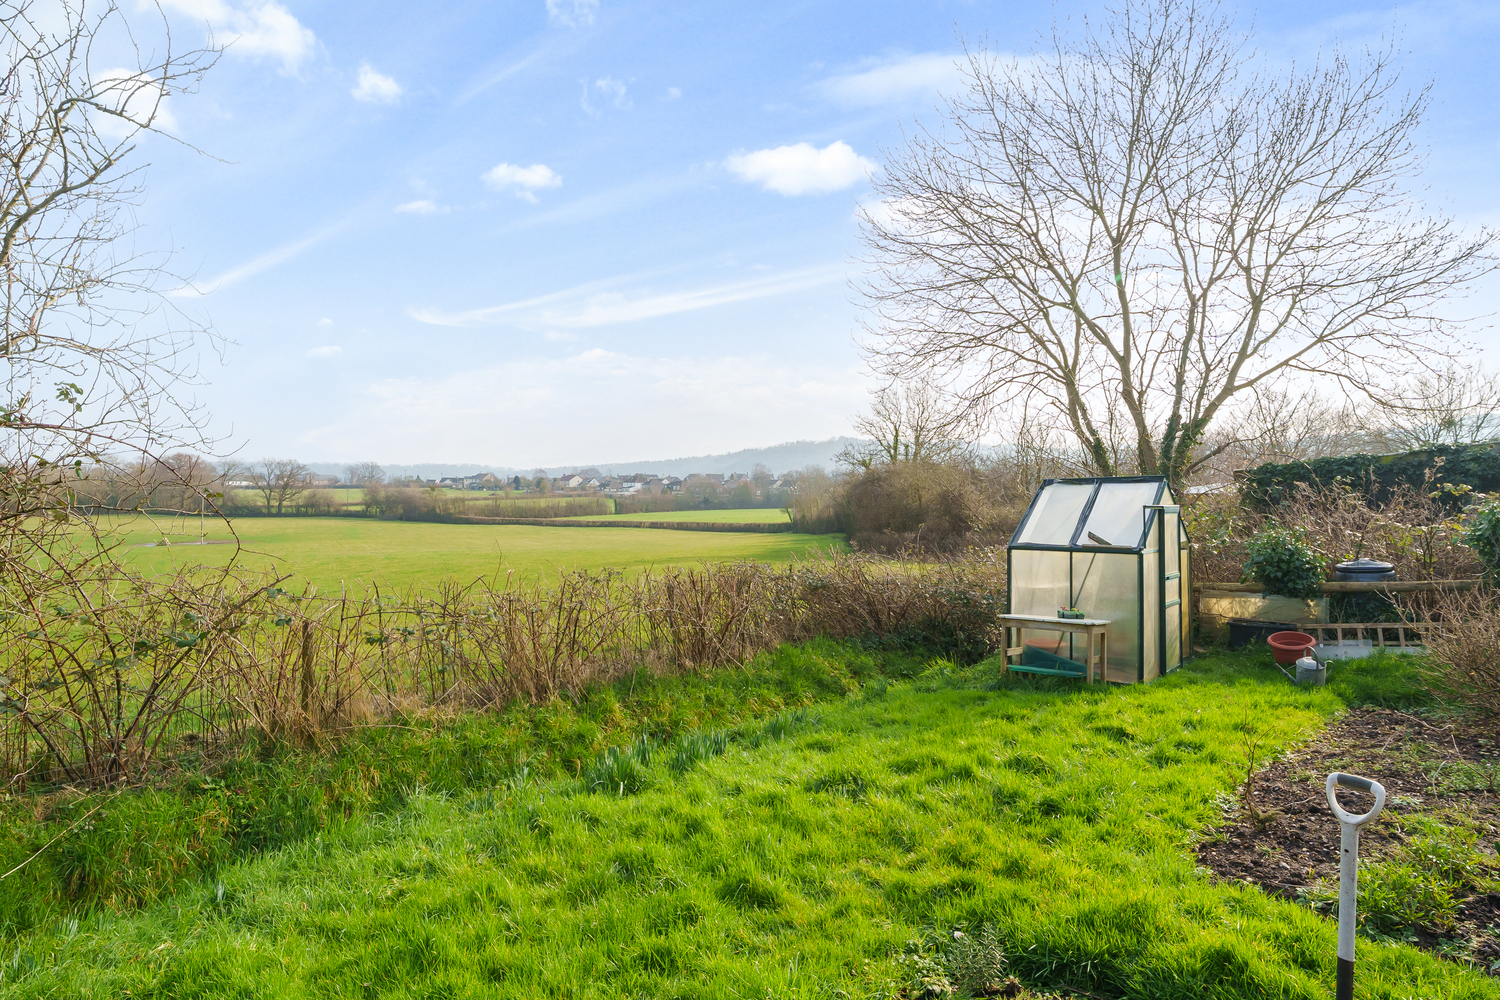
<point x="1407" y="633"/>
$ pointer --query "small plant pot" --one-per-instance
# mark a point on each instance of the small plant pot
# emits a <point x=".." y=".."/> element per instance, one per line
<point x="1289" y="647"/>
<point x="1069" y="613"/>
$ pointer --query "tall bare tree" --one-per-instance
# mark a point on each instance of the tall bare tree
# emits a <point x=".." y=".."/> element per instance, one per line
<point x="280" y="481"/>
<point x="1140" y="224"/>
<point x="363" y="474"/>
<point x="905" y="424"/>
<point x="92" y="351"/>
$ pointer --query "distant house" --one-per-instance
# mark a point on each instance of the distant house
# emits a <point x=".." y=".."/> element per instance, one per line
<point x="572" y="482"/>
<point x="323" y="481"/>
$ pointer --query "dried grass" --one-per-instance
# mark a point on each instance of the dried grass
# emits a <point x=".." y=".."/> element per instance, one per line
<point x="103" y="695"/>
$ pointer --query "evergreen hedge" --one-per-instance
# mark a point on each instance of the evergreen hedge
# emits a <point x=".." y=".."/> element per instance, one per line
<point x="1376" y="476"/>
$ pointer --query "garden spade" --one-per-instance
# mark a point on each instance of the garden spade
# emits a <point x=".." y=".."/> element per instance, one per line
<point x="1349" y="869"/>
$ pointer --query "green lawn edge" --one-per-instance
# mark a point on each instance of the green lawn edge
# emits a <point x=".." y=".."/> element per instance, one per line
<point x="790" y="866"/>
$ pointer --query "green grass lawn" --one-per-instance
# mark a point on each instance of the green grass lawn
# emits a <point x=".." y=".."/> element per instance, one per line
<point x="755" y="515"/>
<point x="354" y="552"/>
<point x="789" y="858"/>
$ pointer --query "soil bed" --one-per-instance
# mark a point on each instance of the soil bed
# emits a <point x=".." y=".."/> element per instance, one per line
<point x="1446" y="770"/>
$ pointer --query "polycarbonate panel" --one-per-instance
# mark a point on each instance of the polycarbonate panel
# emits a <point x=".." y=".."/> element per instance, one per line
<point x="1172" y="609"/>
<point x="1105" y="586"/>
<point x="1038" y="582"/>
<point x="1118" y="516"/>
<point x="1055" y="515"/>
<point x="1187" y="590"/>
<point x="1151" y="621"/>
<point x="1039" y="586"/>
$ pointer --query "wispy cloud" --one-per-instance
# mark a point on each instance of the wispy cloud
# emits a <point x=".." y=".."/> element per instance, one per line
<point x="608" y="90"/>
<point x="422" y="206"/>
<point x="523" y="181"/>
<point x="572" y="13"/>
<point x="327" y="351"/>
<point x="894" y="81"/>
<point x="376" y="88"/>
<point x="265" y="261"/>
<point x="595" y="304"/>
<point x="260" y="28"/>
<point x="802" y="169"/>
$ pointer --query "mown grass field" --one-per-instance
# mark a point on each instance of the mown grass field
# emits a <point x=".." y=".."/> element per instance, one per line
<point x="354" y="553"/>
<point x="785" y="858"/>
<point x="753" y="515"/>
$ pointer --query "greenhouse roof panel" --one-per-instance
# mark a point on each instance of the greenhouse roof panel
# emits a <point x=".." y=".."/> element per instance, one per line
<point x="1054" y="514"/>
<point x="1088" y="513"/>
<point x="1118" y="514"/>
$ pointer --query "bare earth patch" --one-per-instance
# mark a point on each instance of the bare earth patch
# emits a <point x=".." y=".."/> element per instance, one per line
<point x="1443" y="771"/>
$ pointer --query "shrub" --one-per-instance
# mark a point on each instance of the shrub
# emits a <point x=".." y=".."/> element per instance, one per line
<point x="1464" y="643"/>
<point x="1284" y="562"/>
<point x="1482" y="534"/>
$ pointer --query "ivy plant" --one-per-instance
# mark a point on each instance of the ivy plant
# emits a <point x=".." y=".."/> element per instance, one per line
<point x="1482" y="534"/>
<point x="1283" y="561"/>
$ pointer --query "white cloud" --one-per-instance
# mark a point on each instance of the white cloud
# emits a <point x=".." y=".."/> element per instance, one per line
<point x="328" y="351"/>
<point x="572" y="13"/>
<point x="673" y="93"/>
<point x="550" y="405"/>
<point x="594" y="304"/>
<point x="376" y="88"/>
<point x="325" y="321"/>
<point x="802" y="169"/>
<point x="137" y="101"/>
<point x="611" y="91"/>
<point x="895" y="81"/>
<point x="259" y="28"/>
<point x="525" y="181"/>
<point x="422" y="206"/>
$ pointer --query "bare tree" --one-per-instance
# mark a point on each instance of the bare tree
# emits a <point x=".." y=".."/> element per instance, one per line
<point x="1446" y="408"/>
<point x="92" y="350"/>
<point x="363" y="474"/>
<point x="905" y="424"/>
<point x="280" y="481"/>
<point x="1143" y="224"/>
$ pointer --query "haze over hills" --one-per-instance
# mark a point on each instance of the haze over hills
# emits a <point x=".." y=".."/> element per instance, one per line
<point x="779" y="458"/>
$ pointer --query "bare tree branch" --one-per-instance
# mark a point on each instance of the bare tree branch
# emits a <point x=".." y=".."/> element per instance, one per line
<point x="1131" y="229"/>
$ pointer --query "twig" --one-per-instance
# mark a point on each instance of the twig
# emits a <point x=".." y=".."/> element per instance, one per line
<point x="55" y="839"/>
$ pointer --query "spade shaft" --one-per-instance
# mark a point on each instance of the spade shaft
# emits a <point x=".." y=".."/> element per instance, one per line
<point x="1349" y="869"/>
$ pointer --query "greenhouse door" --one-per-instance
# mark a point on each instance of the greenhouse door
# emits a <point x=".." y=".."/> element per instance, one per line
<point x="1171" y="594"/>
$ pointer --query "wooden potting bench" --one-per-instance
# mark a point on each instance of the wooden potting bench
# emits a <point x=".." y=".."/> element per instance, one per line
<point x="1087" y="627"/>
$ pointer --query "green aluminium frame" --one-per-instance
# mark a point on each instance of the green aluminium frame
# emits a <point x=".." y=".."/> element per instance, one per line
<point x="1162" y="563"/>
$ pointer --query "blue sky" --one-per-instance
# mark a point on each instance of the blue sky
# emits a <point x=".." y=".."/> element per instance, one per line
<point x="551" y="231"/>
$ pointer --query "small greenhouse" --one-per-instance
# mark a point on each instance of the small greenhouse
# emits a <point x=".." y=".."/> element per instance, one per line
<point x="1116" y="550"/>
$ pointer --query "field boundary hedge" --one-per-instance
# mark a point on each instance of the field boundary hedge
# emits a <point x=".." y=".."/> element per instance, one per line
<point x="581" y="522"/>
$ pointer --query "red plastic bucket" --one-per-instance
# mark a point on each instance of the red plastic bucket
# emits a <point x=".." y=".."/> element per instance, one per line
<point x="1289" y="647"/>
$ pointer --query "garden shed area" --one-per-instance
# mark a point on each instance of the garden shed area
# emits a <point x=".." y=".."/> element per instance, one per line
<point x="1116" y="550"/>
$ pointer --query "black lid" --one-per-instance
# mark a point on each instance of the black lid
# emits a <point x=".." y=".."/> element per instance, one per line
<point x="1364" y="566"/>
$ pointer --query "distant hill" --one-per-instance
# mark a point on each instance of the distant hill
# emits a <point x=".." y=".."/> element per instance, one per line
<point x="779" y="458"/>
